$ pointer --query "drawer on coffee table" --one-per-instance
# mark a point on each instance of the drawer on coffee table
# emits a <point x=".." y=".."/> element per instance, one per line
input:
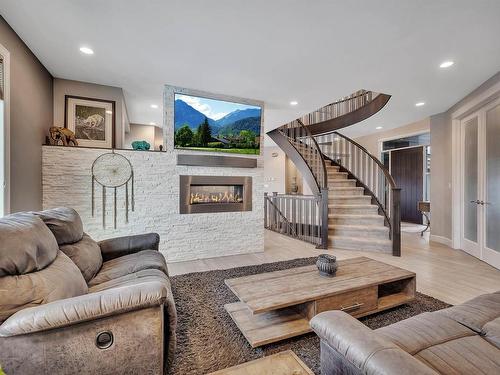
<point x="355" y="303"/>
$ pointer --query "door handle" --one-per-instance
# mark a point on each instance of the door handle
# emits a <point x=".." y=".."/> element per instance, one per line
<point x="477" y="201"/>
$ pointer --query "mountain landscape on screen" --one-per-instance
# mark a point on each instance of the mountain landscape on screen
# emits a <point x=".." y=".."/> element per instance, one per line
<point x="214" y="125"/>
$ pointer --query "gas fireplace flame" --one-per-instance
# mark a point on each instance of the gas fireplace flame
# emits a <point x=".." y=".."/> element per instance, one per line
<point x="225" y="197"/>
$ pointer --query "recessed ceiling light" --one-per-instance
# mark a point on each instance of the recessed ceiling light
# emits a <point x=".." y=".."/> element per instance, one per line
<point x="446" y="64"/>
<point x="86" y="50"/>
<point x="109" y="112"/>
<point x="294" y="102"/>
<point x="154" y="106"/>
<point x="419" y="104"/>
<point x="152" y="123"/>
<point x="378" y="127"/>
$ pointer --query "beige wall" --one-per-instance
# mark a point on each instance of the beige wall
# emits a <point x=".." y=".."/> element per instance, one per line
<point x="274" y="170"/>
<point x="63" y="87"/>
<point x="140" y="132"/>
<point x="441" y="176"/>
<point x="442" y="158"/>
<point x="158" y="138"/>
<point x="30" y="118"/>
<point x="371" y="141"/>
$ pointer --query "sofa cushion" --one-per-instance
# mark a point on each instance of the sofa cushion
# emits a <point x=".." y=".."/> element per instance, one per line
<point x="64" y="222"/>
<point x="476" y="312"/>
<point x="132" y="278"/>
<point x="467" y="355"/>
<point x="27" y="244"/>
<point x="86" y="254"/>
<point x="118" y="267"/>
<point x="422" y="331"/>
<point x="61" y="279"/>
<point x="491" y="332"/>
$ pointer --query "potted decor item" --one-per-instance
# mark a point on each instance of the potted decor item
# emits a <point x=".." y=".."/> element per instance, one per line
<point x="327" y="265"/>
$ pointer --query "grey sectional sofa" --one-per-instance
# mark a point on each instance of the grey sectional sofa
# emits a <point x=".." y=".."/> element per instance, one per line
<point x="463" y="339"/>
<point x="71" y="305"/>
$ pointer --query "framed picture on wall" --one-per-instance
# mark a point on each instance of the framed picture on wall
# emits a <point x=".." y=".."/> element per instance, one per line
<point x="92" y="121"/>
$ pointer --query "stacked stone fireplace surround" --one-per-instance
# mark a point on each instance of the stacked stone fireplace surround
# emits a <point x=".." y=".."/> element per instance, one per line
<point x="66" y="181"/>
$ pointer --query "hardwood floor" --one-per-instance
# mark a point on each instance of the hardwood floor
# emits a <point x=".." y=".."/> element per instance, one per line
<point x="450" y="275"/>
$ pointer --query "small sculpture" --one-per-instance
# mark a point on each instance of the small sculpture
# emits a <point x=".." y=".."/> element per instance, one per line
<point x="59" y="135"/>
<point x="327" y="265"/>
<point x="141" y="145"/>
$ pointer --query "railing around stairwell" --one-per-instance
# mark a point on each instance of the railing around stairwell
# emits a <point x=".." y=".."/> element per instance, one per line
<point x="303" y="141"/>
<point x="340" y="107"/>
<point x="372" y="174"/>
<point x="297" y="216"/>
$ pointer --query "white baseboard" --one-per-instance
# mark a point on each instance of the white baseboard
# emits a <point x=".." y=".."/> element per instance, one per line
<point x="440" y="239"/>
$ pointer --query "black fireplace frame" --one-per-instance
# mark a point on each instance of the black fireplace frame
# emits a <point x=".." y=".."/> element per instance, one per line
<point x="185" y="190"/>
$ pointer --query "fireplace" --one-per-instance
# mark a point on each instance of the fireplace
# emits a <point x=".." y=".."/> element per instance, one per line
<point x="205" y="194"/>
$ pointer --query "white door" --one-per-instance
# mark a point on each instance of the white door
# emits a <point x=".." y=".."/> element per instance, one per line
<point x="481" y="184"/>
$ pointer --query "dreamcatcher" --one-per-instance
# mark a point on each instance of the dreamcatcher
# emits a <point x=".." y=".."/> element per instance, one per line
<point x="112" y="171"/>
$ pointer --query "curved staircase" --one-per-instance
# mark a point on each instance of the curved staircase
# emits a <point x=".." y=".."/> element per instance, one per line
<point x="356" y="197"/>
<point x="353" y="221"/>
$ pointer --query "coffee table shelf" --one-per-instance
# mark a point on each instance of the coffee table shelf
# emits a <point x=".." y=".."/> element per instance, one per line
<point x="278" y="305"/>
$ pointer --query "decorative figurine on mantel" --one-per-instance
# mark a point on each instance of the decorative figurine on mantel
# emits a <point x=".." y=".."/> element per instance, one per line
<point x="141" y="145"/>
<point x="327" y="265"/>
<point x="64" y="136"/>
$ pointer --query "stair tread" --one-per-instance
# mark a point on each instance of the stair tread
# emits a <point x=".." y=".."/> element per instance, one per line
<point x="349" y="205"/>
<point x="352" y="196"/>
<point x="354" y="216"/>
<point x="347" y="188"/>
<point x="381" y="228"/>
<point x="361" y="240"/>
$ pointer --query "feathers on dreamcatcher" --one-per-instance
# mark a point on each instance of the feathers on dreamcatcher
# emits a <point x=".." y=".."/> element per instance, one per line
<point x="112" y="171"/>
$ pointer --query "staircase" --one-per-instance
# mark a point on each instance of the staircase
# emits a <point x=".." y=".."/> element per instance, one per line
<point x="353" y="221"/>
<point x="356" y="202"/>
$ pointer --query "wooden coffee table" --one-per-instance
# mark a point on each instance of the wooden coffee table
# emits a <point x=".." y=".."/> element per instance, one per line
<point x="277" y="305"/>
<point x="284" y="363"/>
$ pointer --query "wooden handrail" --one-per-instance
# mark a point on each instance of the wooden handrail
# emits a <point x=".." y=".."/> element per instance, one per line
<point x="324" y="184"/>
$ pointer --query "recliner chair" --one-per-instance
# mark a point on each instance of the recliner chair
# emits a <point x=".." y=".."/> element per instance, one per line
<point x="69" y="304"/>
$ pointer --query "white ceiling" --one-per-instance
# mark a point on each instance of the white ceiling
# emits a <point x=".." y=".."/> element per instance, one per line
<point x="276" y="51"/>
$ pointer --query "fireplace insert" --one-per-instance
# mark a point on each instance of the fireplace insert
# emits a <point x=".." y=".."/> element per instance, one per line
<point x="205" y="194"/>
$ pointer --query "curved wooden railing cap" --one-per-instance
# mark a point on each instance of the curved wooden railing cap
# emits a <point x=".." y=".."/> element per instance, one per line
<point x="350" y="118"/>
<point x="388" y="176"/>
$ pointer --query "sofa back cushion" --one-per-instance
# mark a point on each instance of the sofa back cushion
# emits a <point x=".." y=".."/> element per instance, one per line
<point x="64" y="222"/>
<point x="86" y="254"/>
<point x="61" y="279"/>
<point x="27" y="245"/>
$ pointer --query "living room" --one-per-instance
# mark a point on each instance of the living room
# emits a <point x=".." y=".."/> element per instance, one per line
<point x="187" y="194"/>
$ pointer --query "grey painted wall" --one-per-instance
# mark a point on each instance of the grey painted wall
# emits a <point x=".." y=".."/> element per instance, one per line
<point x="63" y="87"/>
<point x="441" y="162"/>
<point x="441" y="174"/>
<point x="30" y="117"/>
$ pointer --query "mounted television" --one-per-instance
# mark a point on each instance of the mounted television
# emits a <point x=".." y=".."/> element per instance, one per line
<point x="204" y="124"/>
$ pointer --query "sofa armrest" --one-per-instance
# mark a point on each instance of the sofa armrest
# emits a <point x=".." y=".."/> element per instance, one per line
<point x="120" y="246"/>
<point x="364" y="348"/>
<point x="66" y="312"/>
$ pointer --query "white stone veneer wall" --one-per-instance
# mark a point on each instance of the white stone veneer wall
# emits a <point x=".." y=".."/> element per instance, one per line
<point x="67" y="182"/>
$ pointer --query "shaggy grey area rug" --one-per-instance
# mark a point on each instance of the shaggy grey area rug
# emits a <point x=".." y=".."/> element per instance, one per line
<point x="208" y="340"/>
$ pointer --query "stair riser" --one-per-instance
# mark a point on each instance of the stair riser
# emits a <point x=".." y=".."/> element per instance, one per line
<point x="345" y="244"/>
<point x="353" y="210"/>
<point x="340" y="193"/>
<point x="379" y="220"/>
<point x="362" y="199"/>
<point x="341" y="183"/>
<point x="360" y="233"/>
<point x="332" y="169"/>
<point x="337" y="176"/>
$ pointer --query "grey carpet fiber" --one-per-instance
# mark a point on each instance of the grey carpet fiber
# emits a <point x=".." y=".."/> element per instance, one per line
<point x="208" y="340"/>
